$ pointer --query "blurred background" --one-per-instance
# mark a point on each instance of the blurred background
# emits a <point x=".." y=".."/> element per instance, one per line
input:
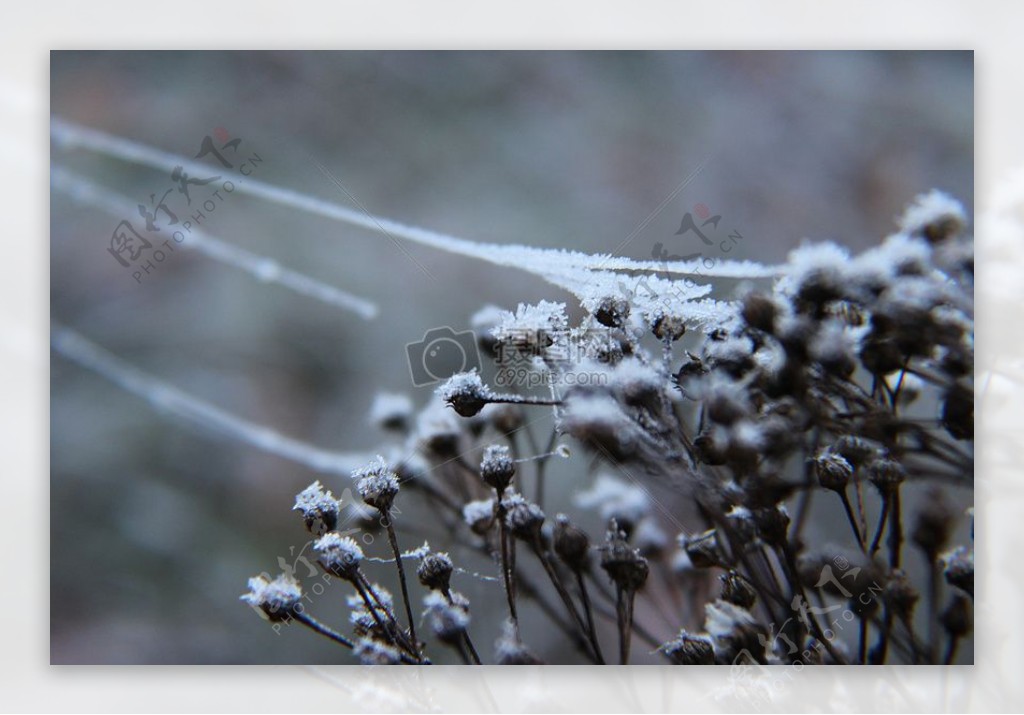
<point x="155" y="525"/>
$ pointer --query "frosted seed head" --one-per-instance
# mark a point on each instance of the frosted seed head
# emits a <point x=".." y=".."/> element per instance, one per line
<point x="466" y="393"/>
<point x="571" y="544"/>
<point x="497" y="467"/>
<point x="435" y="571"/>
<point x="319" y="508"/>
<point x="338" y="555"/>
<point x="479" y="515"/>
<point x="448" y="621"/>
<point x="523" y="518"/>
<point x="277" y="598"/>
<point x="959" y="569"/>
<point x="936" y="216"/>
<point x="377" y="484"/>
<point x="690" y="649"/>
<point x="391" y="411"/>
<point x="886" y="474"/>
<point x="374" y="652"/>
<point x="624" y="565"/>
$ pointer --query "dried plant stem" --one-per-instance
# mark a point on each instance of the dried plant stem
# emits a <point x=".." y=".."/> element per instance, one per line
<point x="538" y="550"/>
<point x="320" y="628"/>
<point x="588" y="612"/>
<point x="852" y="519"/>
<point x="393" y="539"/>
<point x="506" y="566"/>
<point x="624" y="611"/>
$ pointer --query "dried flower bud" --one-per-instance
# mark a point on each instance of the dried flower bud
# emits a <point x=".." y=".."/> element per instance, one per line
<point x="625" y="566"/>
<point x="319" y="509"/>
<point x="466" y="393"/>
<point x="277" y="599"/>
<point x="479" y="515"/>
<point x="435" y="571"/>
<point x="933" y="525"/>
<point x="690" y="649"/>
<point x="741" y="522"/>
<point x="833" y="471"/>
<point x="571" y="544"/>
<point x="338" y="555"/>
<point x="447" y="620"/>
<point x="509" y="650"/>
<point x="855" y="450"/>
<point x="702" y="549"/>
<point x="959" y="569"/>
<point x="377" y="484"/>
<point x="372" y="652"/>
<point x="738" y="591"/>
<point x="772" y="524"/>
<point x="759" y="312"/>
<point x="669" y="327"/>
<point x="901" y="596"/>
<point x="612" y="312"/>
<point x="957" y="618"/>
<point x="524" y="519"/>
<point x="392" y="412"/>
<point x="886" y="474"/>
<point x="497" y="467"/>
<point x="958" y="412"/>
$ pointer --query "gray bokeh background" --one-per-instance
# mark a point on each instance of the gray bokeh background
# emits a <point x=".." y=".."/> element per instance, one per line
<point x="155" y="525"/>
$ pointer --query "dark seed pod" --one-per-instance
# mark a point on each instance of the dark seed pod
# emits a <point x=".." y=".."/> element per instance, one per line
<point x="612" y="312"/>
<point x="833" y="471"/>
<point x="759" y="312"/>
<point x="933" y="525"/>
<point x="668" y="327"/>
<point x="958" y="412"/>
<point x="772" y="524"/>
<point x="957" y="618"/>
<point x="737" y="590"/>
<point x="901" y="596"/>
<point x="497" y="467"/>
<point x="886" y="474"/>
<point x="690" y="650"/>
<point x="625" y="566"/>
<point x="959" y="570"/>
<point x="571" y="544"/>
<point x="703" y="549"/>
<point x="435" y="571"/>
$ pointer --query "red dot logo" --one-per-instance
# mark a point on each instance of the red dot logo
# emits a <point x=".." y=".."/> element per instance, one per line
<point x="221" y="134"/>
<point x="702" y="211"/>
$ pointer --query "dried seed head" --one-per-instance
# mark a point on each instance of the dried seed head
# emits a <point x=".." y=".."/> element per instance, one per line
<point x="338" y="555"/>
<point x="734" y="631"/>
<point x="702" y="549"/>
<point x="855" y="450"/>
<point x="669" y="327"/>
<point x="571" y="544"/>
<point x="377" y="484"/>
<point x="612" y="312"/>
<point x="497" y="467"/>
<point x="958" y="412"/>
<point x="959" y="569"/>
<point x="372" y="652"/>
<point x="772" y="524"/>
<point x="741" y="522"/>
<point x="900" y="595"/>
<point x="509" y="650"/>
<point x="738" y="591"/>
<point x="759" y="312"/>
<point x="391" y="411"/>
<point x="435" y="571"/>
<point x="690" y="649"/>
<point x="319" y="508"/>
<point x="833" y="471"/>
<point x="957" y="618"/>
<point x="447" y="620"/>
<point x="523" y="518"/>
<point x="465" y="393"/>
<point x="479" y="515"/>
<point x="933" y="525"/>
<point x="277" y="599"/>
<point x="886" y="474"/>
<point x="625" y="566"/>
